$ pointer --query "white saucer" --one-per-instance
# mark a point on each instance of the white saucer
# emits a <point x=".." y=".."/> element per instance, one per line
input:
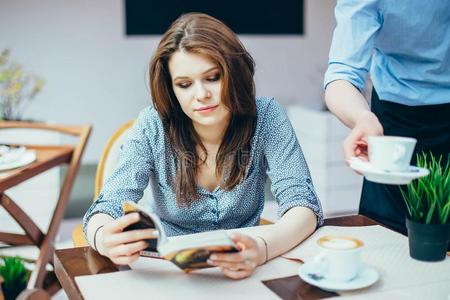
<point x="26" y="158"/>
<point x="386" y="177"/>
<point x="10" y="154"/>
<point x="366" y="277"/>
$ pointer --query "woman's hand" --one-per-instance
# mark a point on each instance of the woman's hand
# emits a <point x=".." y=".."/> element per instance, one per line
<point x="122" y="248"/>
<point x="252" y="253"/>
<point x="356" y="142"/>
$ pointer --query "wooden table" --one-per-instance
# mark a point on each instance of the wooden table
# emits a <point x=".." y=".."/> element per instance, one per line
<point x="47" y="157"/>
<point x="73" y="262"/>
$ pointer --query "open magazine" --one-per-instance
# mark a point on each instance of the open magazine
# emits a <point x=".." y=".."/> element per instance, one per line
<point x="188" y="252"/>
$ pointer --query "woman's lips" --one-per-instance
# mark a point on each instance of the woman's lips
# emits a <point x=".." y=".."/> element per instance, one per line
<point x="206" y="109"/>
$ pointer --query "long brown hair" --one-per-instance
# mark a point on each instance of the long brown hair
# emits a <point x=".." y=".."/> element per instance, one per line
<point x="204" y="35"/>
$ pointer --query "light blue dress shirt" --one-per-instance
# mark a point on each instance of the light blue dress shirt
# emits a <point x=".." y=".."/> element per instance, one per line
<point x="146" y="157"/>
<point x="404" y="43"/>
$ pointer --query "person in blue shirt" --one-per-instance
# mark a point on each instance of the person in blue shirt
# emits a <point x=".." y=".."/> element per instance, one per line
<point x="405" y="47"/>
<point x="207" y="147"/>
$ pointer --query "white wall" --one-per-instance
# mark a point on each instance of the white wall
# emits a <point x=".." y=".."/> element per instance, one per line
<point x="94" y="74"/>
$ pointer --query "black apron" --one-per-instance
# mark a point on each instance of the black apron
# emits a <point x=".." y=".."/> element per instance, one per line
<point x="430" y="125"/>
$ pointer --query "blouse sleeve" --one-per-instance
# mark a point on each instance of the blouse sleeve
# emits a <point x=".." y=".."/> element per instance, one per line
<point x="131" y="176"/>
<point x="286" y="166"/>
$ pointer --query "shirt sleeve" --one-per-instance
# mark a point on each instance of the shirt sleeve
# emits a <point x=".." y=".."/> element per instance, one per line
<point x="131" y="176"/>
<point x="358" y="22"/>
<point x="291" y="182"/>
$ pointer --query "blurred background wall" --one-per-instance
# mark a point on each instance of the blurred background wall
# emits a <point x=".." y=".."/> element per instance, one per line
<point x="95" y="74"/>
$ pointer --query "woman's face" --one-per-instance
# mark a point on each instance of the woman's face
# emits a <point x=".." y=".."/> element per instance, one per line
<point x="197" y="84"/>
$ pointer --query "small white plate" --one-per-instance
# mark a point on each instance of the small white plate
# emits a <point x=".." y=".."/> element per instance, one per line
<point x="11" y="154"/>
<point x="26" y="158"/>
<point x="366" y="277"/>
<point x="386" y="177"/>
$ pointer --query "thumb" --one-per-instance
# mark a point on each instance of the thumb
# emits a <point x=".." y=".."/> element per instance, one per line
<point x="242" y="241"/>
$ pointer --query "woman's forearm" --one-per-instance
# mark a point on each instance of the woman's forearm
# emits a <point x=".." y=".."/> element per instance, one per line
<point x="293" y="227"/>
<point x="346" y="102"/>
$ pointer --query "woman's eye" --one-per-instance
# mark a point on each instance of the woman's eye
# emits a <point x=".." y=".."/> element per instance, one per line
<point x="215" y="77"/>
<point x="184" y="85"/>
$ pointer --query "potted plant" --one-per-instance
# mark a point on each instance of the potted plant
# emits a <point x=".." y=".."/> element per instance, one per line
<point x="17" y="88"/>
<point x="428" y="210"/>
<point x="15" y="276"/>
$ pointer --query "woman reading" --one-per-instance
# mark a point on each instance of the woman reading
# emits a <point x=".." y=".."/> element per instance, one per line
<point x="207" y="145"/>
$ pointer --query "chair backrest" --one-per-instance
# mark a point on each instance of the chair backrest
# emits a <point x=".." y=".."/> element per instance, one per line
<point x="108" y="160"/>
<point x="110" y="155"/>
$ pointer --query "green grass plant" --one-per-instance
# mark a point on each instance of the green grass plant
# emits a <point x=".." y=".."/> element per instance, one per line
<point x="428" y="198"/>
<point x="15" y="275"/>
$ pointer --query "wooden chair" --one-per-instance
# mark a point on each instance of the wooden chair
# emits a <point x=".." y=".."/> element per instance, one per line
<point x="106" y="167"/>
<point x="47" y="158"/>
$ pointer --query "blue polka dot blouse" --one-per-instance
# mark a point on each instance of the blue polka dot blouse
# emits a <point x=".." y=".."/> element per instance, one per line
<point x="145" y="158"/>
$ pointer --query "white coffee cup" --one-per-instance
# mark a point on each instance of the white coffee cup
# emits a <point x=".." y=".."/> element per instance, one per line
<point x="340" y="258"/>
<point x="391" y="153"/>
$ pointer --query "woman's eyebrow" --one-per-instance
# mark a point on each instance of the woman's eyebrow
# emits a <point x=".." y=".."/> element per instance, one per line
<point x="185" y="77"/>
<point x="210" y="69"/>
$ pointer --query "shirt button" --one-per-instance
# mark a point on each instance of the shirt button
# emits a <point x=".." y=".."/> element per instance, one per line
<point x="308" y="180"/>
<point x="214" y="211"/>
<point x="215" y="223"/>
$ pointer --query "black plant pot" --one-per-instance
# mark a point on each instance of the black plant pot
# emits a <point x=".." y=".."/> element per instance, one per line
<point x="11" y="293"/>
<point x="428" y="242"/>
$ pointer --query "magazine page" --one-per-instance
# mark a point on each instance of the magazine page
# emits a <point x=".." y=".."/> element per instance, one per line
<point x="190" y="252"/>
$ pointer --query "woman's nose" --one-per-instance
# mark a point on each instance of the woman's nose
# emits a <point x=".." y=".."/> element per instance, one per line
<point x="201" y="92"/>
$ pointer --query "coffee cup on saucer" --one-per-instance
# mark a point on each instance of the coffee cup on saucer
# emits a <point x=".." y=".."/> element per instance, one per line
<point x="340" y="258"/>
<point x="391" y="153"/>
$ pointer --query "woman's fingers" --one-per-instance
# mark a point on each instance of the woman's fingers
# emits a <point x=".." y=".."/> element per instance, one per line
<point x="243" y="241"/>
<point x="237" y="257"/>
<point x="228" y="257"/>
<point x="129" y="236"/>
<point x="123" y="247"/>
<point x="121" y="223"/>
<point x="125" y="260"/>
<point x="127" y="249"/>
<point x="235" y="266"/>
<point x="241" y="264"/>
<point x="236" y="274"/>
<point x="246" y="245"/>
